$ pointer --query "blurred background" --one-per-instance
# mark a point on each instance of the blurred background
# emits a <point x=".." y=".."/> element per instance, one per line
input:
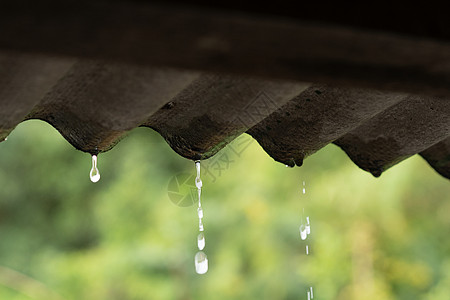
<point x="133" y="234"/>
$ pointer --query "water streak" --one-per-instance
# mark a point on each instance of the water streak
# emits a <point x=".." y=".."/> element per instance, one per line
<point x="305" y="230"/>
<point x="201" y="260"/>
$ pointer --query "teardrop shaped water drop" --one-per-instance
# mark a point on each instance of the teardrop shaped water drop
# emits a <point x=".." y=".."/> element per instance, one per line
<point x="201" y="241"/>
<point x="94" y="174"/>
<point x="303" y="233"/>
<point x="201" y="263"/>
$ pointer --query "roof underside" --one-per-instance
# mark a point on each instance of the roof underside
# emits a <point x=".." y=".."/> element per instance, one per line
<point x="202" y="76"/>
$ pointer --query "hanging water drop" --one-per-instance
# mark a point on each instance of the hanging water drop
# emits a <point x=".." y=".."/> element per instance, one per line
<point x="201" y="241"/>
<point x="94" y="174"/>
<point x="201" y="263"/>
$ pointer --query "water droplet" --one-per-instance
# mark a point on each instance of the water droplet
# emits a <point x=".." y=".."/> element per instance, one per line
<point x="309" y="295"/>
<point x="5" y="139"/>
<point x="200" y="225"/>
<point x="307" y="250"/>
<point x="312" y="294"/>
<point x="304" y="188"/>
<point x="201" y="241"/>
<point x="200" y="212"/>
<point x="303" y="233"/>
<point x="94" y="174"/>
<point x="201" y="263"/>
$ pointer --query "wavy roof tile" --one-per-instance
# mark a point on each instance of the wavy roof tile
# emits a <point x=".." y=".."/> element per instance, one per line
<point x="202" y="76"/>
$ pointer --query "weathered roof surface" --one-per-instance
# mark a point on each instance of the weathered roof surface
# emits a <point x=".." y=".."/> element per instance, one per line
<point x="201" y="76"/>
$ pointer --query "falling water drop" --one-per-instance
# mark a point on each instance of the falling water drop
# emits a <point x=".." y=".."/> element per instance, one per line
<point x="304" y="188"/>
<point x="201" y="263"/>
<point x="303" y="232"/>
<point x="201" y="241"/>
<point x="200" y="212"/>
<point x="307" y="250"/>
<point x="309" y="295"/>
<point x="312" y="294"/>
<point x="94" y="174"/>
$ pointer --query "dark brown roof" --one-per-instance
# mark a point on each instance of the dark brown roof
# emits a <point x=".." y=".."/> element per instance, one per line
<point x="202" y="76"/>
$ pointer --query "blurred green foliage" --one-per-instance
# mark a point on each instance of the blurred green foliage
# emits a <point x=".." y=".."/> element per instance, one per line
<point x="63" y="237"/>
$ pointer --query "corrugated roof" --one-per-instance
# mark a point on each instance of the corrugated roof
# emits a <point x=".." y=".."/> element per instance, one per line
<point x="293" y="86"/>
